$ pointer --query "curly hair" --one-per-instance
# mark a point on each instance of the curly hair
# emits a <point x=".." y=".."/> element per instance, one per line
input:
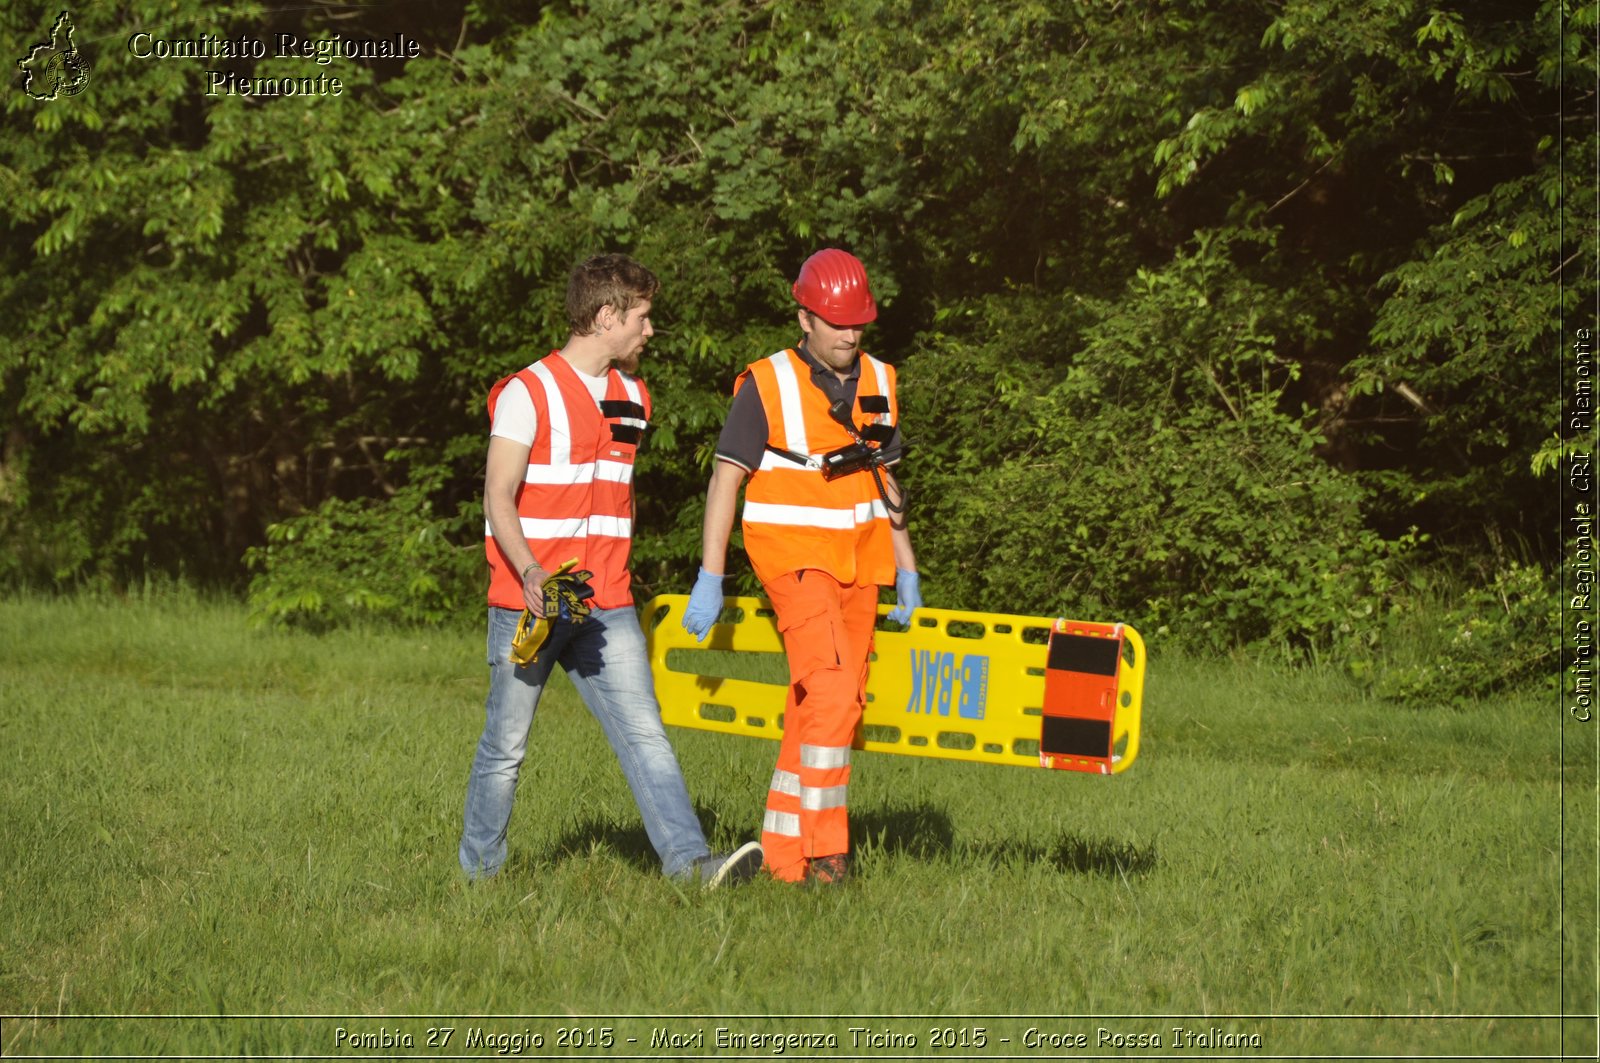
<point x="612" y="280"/>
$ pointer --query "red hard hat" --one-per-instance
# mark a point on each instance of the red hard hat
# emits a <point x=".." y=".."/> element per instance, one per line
<point x="833" y="285"/>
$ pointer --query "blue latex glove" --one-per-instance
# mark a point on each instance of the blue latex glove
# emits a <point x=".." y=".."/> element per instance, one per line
<point x="907" y="595"/>
<point x="705" y="605"/>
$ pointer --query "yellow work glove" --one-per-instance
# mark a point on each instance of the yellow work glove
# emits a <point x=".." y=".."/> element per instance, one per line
<point x="566" y="595"/>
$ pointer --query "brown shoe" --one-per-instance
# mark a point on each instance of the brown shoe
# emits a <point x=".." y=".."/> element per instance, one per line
<point x="828" y="870"/>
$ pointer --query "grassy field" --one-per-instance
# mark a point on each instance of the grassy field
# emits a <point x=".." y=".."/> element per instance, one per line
<point x="253" y="834"/>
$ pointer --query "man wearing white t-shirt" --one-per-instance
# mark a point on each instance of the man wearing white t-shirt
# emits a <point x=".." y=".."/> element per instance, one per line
<point x="559" y="485"/>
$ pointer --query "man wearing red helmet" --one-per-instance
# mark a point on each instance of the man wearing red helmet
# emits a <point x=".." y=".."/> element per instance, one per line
<point x="815" y="428"/>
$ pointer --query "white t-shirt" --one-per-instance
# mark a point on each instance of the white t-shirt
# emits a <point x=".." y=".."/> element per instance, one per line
<point x="515" y="417"/>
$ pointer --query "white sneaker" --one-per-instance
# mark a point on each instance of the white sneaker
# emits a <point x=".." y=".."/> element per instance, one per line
<point x="739" y="866"/>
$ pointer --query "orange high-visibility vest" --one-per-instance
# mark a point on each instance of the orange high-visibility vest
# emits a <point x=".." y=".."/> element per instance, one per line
<point x="793" y="518"/>
<point x="576" y="499"/>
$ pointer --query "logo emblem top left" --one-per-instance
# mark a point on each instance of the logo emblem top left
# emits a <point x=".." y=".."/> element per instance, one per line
<point x="55" y="68"/>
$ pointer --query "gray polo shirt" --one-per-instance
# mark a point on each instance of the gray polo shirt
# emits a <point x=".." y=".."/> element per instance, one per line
<point x="745" y="434"/>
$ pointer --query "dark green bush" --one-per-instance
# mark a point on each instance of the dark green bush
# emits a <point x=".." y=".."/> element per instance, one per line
<point x="1452" y="640"/>
<point x="1133" y="461"/>
<point x="388" y="560"/>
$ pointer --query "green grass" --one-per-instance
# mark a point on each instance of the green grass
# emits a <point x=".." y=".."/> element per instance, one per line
<point x="203" y="819"/>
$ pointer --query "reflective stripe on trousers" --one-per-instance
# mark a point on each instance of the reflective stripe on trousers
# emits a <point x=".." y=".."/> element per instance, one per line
<point x="827" y="635"/>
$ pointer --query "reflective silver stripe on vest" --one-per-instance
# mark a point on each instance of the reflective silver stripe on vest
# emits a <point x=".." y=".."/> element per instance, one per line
<point x="562" y="528"/>
<point x="794" y="418"/>
<point x="560" y="475"/>
<point x="576" y="527"/>
<point x="616" y="527"/>
<point x="815" y="516"/>
<point x="882" y="375"/>
<point x="631" y="386"/>
<point x="560" y="428"/>
<point x="784" y="823"/>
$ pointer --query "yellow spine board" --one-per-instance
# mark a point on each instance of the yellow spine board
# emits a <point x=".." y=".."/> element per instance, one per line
<point x="957" y="686"/>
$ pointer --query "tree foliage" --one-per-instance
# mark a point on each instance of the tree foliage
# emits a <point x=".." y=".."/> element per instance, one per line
<point x="1158" y="475"/>
<point x="1202" y="307"/>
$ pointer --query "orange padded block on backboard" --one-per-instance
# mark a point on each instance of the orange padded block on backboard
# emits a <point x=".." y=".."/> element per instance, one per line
<point x="1078" y="729"/>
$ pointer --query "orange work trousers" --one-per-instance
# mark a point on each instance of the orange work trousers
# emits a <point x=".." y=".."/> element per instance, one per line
<point x="827" y="636"/>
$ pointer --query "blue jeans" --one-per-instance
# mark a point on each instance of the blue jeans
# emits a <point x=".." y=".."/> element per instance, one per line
<point x="606" y="659"/>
